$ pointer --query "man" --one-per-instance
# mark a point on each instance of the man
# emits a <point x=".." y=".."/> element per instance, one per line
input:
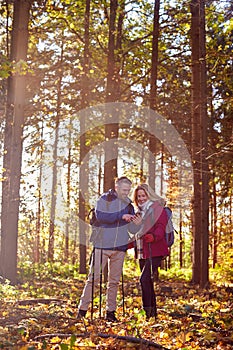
<point x="116" y="218"/>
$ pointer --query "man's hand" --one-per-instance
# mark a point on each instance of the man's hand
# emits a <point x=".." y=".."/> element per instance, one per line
<point x="127" y="217"/>
<point x="137" y="219"/>
<point x="149" y="238"/>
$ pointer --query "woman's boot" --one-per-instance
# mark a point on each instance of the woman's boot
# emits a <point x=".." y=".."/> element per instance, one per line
<point x="148" y="310"/>
<point x="154" y="312"/>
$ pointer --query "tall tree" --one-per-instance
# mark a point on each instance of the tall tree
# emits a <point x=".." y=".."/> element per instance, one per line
<point x="13" y="140"/>
<point x="37" y="250"/>
<point x="112" y="95"/>
<point x="55" y="158"/>
<point x="68" y="193"/>
<point x="199" y="145"/>
<point x="83" y="174"/>
<point x="204" y="153"/>
<point x="153" y="90"/>
<point x="196" y="137"/>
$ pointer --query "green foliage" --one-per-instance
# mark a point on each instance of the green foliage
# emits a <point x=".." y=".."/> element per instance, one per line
<point x="46" y="270"/>
<point x="8" y="291"/>
<point x="176" y="273"/>
<point x="224" y="270"/>
<point x="6" y="67"/>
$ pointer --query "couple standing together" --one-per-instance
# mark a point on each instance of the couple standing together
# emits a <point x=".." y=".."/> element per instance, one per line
<point x="117" y="220"/>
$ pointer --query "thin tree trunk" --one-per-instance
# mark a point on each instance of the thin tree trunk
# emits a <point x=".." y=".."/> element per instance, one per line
<point x="231" y="236"/>
<point x="83" y="174"/>
<point x="141" y="174"/>
<point x="181" y="240"/>
<point x="100" y="174"/>
<point x="13" y="144"/>
<point x="153" y="92"/>
<point x="196" y="137"/>
<point x="214" y="226"/>
<point x="204" y="153"/>
<point x="162" y="170"/>
<point x="67" y="236"/>
<point x="38" y="216"/>
<point x="54" y="172"/>
<point x="112" y="95"/>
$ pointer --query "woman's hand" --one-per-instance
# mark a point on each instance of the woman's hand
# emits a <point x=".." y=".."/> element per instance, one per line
<point x="148" y="238"/>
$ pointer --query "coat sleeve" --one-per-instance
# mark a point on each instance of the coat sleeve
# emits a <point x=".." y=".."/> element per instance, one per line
<point x="104" y="213"/>
<point x="158" y="229"/>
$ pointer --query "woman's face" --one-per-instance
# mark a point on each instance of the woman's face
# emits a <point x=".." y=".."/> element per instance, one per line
<point x="141" y="197"/>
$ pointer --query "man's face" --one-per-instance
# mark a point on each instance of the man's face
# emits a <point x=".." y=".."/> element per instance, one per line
<point x="123" y="190"/>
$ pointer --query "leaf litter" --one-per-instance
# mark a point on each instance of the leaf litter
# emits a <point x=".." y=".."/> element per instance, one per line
<point x="44" y="317"/>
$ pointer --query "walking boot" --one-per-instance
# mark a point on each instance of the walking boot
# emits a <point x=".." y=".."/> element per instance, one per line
<point x="81" y="314"/>
<point x="110" y="316"/>
<point x="154" y="312"/>
<point x="148" y="310"/>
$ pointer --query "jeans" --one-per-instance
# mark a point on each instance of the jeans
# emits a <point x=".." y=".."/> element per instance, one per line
<point x="148" y="267"/>
<point x="115" y="260"/>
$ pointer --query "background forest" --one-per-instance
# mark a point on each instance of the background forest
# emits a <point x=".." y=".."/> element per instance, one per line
<point x="58" y="59"/>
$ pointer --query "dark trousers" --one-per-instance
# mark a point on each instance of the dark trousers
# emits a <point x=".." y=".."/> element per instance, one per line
<point x="147" y="267"/>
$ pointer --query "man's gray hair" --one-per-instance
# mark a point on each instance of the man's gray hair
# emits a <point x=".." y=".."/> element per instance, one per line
<point x="123" y="179"/>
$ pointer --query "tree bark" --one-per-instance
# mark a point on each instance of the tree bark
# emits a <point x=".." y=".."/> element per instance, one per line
<point x="112" y="95"/>
<point x="54" y="172"/>
<point x="196" y="137"/>
<point x="68" y="190"/>
<point x="83" y="174"/>
<point x="13" y="143"/>
<point x="39" y="205"/>
<point x="153" y="92"/>
<point x="199" y="145"/>
<point x="204" y="153"/>
<point x="214" y="224"/>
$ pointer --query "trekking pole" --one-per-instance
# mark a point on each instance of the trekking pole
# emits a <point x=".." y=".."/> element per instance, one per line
<point x="123" y="292"/>
<point x="101" y="277"/>
<point x="151" y="267"/>
<point x="93" y="281"/>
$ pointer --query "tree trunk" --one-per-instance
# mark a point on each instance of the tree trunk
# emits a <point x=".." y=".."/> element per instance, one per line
<point x="153" y="93"/>
<point x="67" y="236"/>
<point x="54" y="172"/>
<point x="181" y="252"/>
<point x="162" y="171"/>
<point x="83" y="174"/>
<point x="39" y="205"/>
<point x="112" y="95"/>
<point x="196" y="137"/>
<point x="199" y="145"/>
<point x="13" y="143"/>
<point x="204" y="153"/>
<point x="53" y="195"/>
<point x="214" y="225"/>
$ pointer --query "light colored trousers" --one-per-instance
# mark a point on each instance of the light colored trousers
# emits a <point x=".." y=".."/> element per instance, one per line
<point x="115" y="260"/>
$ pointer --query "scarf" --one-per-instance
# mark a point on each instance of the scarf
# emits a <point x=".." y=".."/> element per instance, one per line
<point x="139" y="240"/>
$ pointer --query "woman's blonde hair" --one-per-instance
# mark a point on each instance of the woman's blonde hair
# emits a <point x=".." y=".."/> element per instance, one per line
<point x="149" y="193"/>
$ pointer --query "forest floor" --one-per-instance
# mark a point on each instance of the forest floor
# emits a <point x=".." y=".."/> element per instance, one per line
<point x="40" y="313"/>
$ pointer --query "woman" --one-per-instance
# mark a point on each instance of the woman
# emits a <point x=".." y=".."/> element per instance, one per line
<point x="151" y="243"/>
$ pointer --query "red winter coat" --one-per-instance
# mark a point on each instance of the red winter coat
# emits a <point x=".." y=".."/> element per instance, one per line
<point x="155" y="223"/>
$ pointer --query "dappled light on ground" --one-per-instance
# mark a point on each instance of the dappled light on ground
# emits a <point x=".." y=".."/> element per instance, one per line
<point x="41" y="314"/>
